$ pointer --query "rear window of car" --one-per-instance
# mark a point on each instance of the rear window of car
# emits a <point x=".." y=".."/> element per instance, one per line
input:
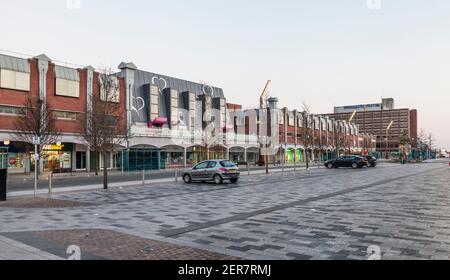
<point x="227" y="164"/>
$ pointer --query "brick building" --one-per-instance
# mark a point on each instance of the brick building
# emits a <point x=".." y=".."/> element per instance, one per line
<point x="170" y="122"/>
<point x="376" y="118"/>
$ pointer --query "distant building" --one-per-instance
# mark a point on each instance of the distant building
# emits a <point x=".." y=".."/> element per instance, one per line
<point x="386" y="104"/>
<point x="376" y="118"/>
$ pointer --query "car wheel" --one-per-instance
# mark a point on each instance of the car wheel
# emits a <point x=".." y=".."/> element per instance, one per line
<point x="330" y="165"/>
<point x="217" y="179"/>
<point x="373" y="165"/>
<point x="355" y="165"/>
<point x="234" y="181"/>
<point x="187" y="178"/>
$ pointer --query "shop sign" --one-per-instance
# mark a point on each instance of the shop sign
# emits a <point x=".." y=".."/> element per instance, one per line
<point x="53" y="147"/>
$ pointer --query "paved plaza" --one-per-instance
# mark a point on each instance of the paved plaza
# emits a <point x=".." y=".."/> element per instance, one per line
<point x="404" y="210"/>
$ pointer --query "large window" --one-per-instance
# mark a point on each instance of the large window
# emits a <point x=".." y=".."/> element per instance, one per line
<point x="64" y="115"/>
<point x="174" y="108"/>
<point x="15" y="80"/>
<point x="11" y="110"/>
<point x="291" y="120"/>
<point x="67" y="88"/>
<point x="154" y="102"/>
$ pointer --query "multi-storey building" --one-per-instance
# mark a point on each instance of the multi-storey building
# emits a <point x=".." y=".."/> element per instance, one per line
<point x="388" y="124"/>
<point x="168" y="122"/>
<point x="321" y="137"/>
<point x="66" y="92"/>
<point x="166" y="118"/>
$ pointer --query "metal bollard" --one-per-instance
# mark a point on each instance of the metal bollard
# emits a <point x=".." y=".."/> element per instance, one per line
<point x="50" y="185"/>
<point x="176" y="175"/>
<point x="248" y="168"/>
<point x="143" y="176"/>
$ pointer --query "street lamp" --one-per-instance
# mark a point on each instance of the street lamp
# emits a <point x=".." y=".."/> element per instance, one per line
<point x="387" y="138"/>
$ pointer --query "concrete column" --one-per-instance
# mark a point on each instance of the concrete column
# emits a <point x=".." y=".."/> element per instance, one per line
<point x="228" y="153"/>
<point x="74" y="157"/>
<point x="111" y="160"/>
<point x="159" y="159"/>
<point x="27" y="163"/>
<point x="88" y="160"/>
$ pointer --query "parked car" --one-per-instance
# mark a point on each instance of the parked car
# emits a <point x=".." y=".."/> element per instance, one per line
<point x="216" y="171"/>
<point x="372" y="160"/>
<point x="347" y="161"/>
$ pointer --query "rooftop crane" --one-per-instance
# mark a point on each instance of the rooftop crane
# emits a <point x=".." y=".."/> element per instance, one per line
<point x="264" y="96"/>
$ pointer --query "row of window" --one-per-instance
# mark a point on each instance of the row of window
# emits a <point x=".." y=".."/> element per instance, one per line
<point x="20" y="111"/>
<point x="21" y="81"/>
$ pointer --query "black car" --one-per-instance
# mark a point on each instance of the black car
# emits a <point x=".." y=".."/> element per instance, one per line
<point x="372" y="160"/>
<point x="347" y="161"/>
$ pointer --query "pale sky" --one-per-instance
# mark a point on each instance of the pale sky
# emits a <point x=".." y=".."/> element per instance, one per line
<point x="325" y="52"/>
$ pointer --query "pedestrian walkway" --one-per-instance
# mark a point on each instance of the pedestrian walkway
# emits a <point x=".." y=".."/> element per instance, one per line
<point x="14" y="250"/>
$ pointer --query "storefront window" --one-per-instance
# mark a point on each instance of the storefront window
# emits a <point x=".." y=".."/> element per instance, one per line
<point x="174" y="159"/>
<point x="56" y="158"/>
<point x="81" y="160"/>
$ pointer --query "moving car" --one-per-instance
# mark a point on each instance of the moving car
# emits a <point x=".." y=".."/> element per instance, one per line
<point x="372" y="160"/>
<point x="347" y="161"/>
<point x="216" y="171"/>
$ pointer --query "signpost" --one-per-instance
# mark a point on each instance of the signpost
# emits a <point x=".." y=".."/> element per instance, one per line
<point x="36" y="142"/>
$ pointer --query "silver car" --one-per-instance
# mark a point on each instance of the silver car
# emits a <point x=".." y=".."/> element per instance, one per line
<point x="216" y="171"/>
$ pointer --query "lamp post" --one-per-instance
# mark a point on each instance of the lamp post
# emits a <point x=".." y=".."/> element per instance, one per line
<point x="387" y="138"/>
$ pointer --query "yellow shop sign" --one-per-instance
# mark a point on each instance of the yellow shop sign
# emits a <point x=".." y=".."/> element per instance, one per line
<point x="53" y="147"/>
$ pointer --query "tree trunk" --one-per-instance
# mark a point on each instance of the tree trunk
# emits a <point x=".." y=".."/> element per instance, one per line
<point x="105" y="171"/>
<point x="97" y="162"/>
<point x="307" y="159"/>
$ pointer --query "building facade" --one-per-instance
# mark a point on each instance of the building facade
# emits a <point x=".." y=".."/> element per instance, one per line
<point x="392" y="127"/>
<point x="169" y="122"/>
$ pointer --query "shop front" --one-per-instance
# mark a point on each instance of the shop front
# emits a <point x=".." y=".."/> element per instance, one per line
<point x="237" y="154"/>
<point x="174" y="156"/>
<point x="141" y="158"/>
<point x="293" y="155"/>
<point x="57" y="158"/>
<point x="253" y="155"/>
<point x="14" y="156"/>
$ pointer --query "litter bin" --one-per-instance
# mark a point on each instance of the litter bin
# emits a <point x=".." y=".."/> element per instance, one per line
<point x="3" y="174"/>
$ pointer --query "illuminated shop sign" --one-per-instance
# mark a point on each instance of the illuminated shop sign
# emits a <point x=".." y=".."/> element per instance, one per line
<point x="53" y="147"/>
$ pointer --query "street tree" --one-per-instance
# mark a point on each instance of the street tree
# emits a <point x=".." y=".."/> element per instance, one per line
<point x="36" y="120"/>
<point x="103" y="127"/>
<point x="308" y="130"/>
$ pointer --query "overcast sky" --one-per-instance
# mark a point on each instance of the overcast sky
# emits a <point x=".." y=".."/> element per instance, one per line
<point x="325" y="52"/>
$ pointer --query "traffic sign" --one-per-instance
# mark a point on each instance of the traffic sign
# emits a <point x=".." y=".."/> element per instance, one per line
<point x="36" y="140"/>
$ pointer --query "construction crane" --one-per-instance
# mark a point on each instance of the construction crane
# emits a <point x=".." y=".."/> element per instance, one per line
<point x="353" y="116"/>
<point x="264" y="96"/>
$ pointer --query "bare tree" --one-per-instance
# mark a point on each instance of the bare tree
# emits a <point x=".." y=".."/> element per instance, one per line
<point x="422" y="142"/>
<point x="431" y="144"/>
<point x="36" y="120"/>
<point x="104" y="127"/>
<point x="308" y="130"/>
<point x="337" y="135"/>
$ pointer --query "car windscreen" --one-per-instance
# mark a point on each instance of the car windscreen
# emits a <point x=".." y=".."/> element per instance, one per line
<point x="227" y="164"/>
